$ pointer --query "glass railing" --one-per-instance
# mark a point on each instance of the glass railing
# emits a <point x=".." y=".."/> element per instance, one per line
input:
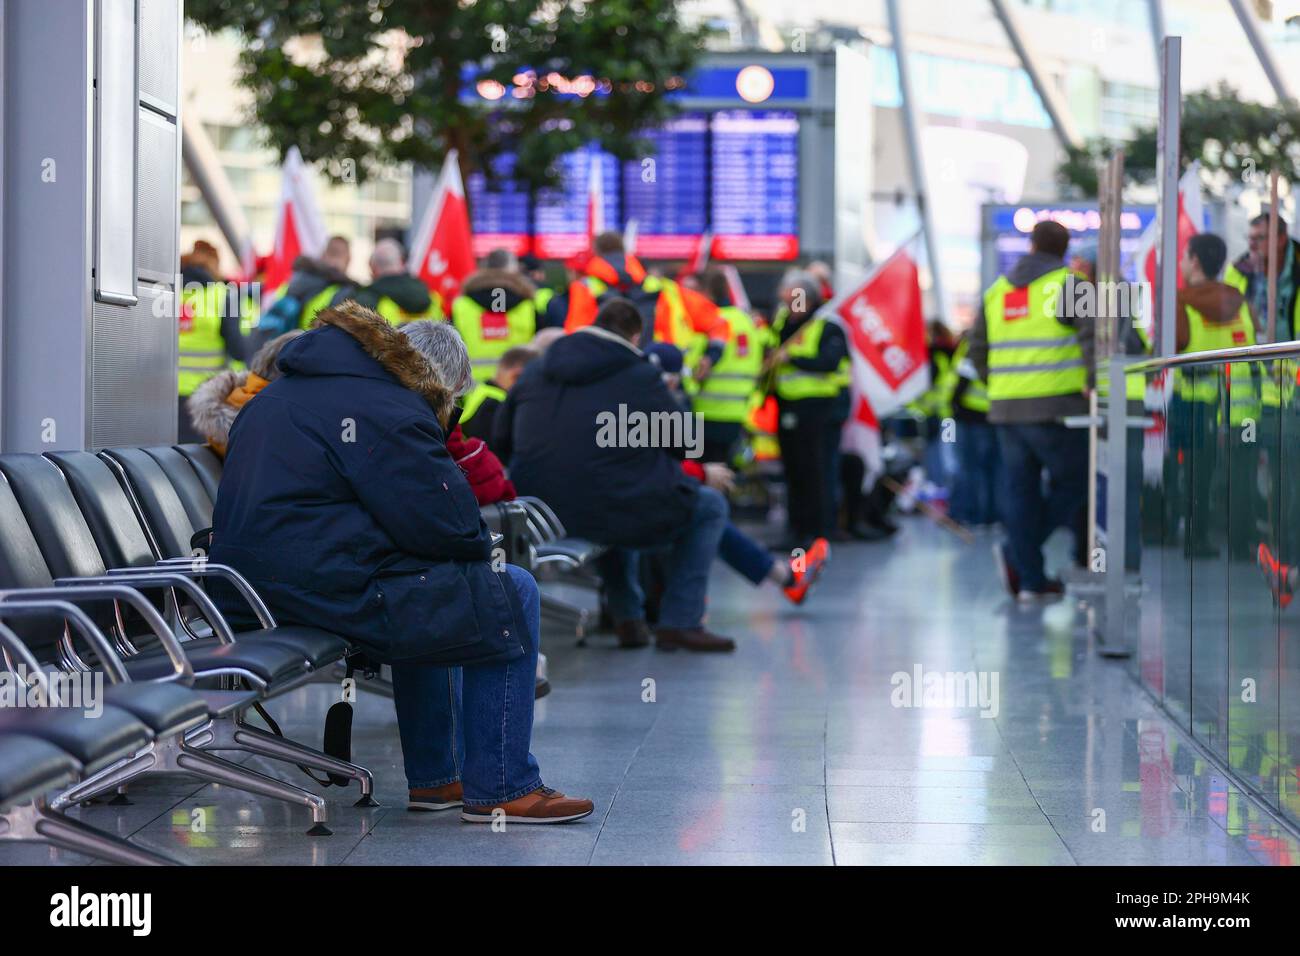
<point x="1214" y="637"/>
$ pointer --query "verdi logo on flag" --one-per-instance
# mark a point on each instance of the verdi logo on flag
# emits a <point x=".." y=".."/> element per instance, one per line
<point x="442" y="253"/>
<point x="299" y="227"/>
<point x="885" y="328"/>
<point x="884" y="321"/>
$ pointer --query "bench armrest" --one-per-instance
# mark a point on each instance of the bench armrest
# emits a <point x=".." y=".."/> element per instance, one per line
<point x="203" y="568"/>
<point x="61" y="598"/>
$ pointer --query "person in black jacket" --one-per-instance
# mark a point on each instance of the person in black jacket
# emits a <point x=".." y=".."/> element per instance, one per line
<point x="341" y="505"/>
<point x="591" y="429"/>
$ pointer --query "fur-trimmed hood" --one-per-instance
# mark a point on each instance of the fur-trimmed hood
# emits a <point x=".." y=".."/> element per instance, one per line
<point x="313" y="355"/>
<point x="208" y="409"/>
<point x="485" y="280"/>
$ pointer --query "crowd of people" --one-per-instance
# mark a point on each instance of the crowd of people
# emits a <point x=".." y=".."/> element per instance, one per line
<point x="363" y="425"/>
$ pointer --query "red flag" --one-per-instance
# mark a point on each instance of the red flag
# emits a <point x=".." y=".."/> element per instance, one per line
<point x="299" y="228"/>
<point x="1191" y="214"/>
<point x="442" y="252"/>
<point x="885" y="326"/>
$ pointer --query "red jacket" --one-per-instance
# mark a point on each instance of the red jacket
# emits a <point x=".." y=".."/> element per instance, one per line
<point x="486" y="476"/>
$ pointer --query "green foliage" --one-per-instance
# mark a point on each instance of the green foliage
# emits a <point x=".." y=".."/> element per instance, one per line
<point x="1231" y="138"/>
<point x="363" y="84"/>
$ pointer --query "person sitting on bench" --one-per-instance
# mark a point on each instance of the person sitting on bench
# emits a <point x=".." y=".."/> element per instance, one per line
<point x="341" y="505"/>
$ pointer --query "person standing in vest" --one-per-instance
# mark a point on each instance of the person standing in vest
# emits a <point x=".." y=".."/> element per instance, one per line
<point x="723" y="392"/>
<point x="1038" y="363"/>
<point x="393" y="292"/>
<point x="495" y="312"/>
<point x="805" y="368"/>
<point x="1211" y="315"/>
<point x="1249" y="276"/>
<point x="974" y="500"/>
<point x="210" y="337"/>
<point x="313" y="286"/>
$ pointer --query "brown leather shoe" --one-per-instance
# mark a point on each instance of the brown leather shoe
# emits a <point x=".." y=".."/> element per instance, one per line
<point x="543" y="805"/>
<point x="632" y="633"/>
<point x="691" y="639"/>
<point x="427" y="799"/>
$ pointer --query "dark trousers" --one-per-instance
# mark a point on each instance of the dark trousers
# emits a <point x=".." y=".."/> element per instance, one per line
<point x="1029" y="514"/>
<point x="975" y="486"/>
<point x="805" y="435"/>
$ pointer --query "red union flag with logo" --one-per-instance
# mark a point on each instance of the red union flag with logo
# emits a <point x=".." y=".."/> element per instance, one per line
<point x="299" y="226"/>
<point x="885" y="327"/>
<point x="442" y="252"/>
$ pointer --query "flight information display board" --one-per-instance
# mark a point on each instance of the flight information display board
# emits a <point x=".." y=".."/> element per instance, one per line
<point x="560" y="213"/>
<point x="1007" y="226"/>
<point x="732" y="173"/>
<point x="667" y="193"/>
<point x="500" y="213"/>
<point x="755" y="208"/>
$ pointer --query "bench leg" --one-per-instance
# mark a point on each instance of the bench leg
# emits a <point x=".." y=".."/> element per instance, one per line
<point x="234" y="734"/>
<point x="35" y="823"/>
<point x="219" y="770"/>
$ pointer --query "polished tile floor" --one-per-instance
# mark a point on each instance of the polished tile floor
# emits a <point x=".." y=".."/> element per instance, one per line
<point x="808" y="746"/>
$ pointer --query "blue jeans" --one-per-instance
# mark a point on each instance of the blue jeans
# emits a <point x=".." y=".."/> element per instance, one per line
<point x="746" y="556"/>
<point x="690" y="553"/>
<point x="1028" y="515"/>
<point x="975" y="485"/>
<point x="473" y="724"/>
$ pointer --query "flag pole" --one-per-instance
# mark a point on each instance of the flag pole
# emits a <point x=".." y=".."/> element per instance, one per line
<point x="913" y="137"/>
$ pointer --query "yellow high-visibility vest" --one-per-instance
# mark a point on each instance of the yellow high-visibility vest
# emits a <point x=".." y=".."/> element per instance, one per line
<point x="726" y="395"/>
<point x="201" y="347"/>
<point x="489" y="335"/>
<point x="794" y="384"/>
<point x="1031" y="353"/>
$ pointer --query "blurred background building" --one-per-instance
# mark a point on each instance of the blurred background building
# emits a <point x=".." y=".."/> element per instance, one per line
<point x="985" y="133"/>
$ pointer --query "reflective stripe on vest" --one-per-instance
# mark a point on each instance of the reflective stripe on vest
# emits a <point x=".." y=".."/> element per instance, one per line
<point x="202" y="350"/>
<point x="794" y="384"/>
<point x="477" y="396"/>
<point x="726" y="394"/>
<point x="1031" y="353"/>
<point x="489" y="335"/>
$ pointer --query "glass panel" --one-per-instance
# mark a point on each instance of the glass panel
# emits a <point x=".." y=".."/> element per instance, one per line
<point x="1205" y="546"/>
<point x="1288" y="539"/>
<point x="1252" y="446"/>
<point x="1152" y="447"/>
<point x="1176" y="571"/>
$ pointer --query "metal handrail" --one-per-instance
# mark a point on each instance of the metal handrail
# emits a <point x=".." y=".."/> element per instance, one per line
<point x="1245" y="353"/>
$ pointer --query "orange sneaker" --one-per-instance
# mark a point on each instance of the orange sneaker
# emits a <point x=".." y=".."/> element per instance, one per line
<point x="819" y="552"/>
<point x="1277" y="575"/>
<point x="542" y="805"/>
<point x="429" y="799"/>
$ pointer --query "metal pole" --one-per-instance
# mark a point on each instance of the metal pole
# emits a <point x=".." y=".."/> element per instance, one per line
<point x="1167" y="157"/>
<point x="1272" y="259"/>
<point x="200" y="158"/>
<point x="1117" y="437"/>
<point x="1052" y="103"/>
<point x="1156" y="13"/>
<point x="913" y="136"/>
<point x="1262" y="53"/>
